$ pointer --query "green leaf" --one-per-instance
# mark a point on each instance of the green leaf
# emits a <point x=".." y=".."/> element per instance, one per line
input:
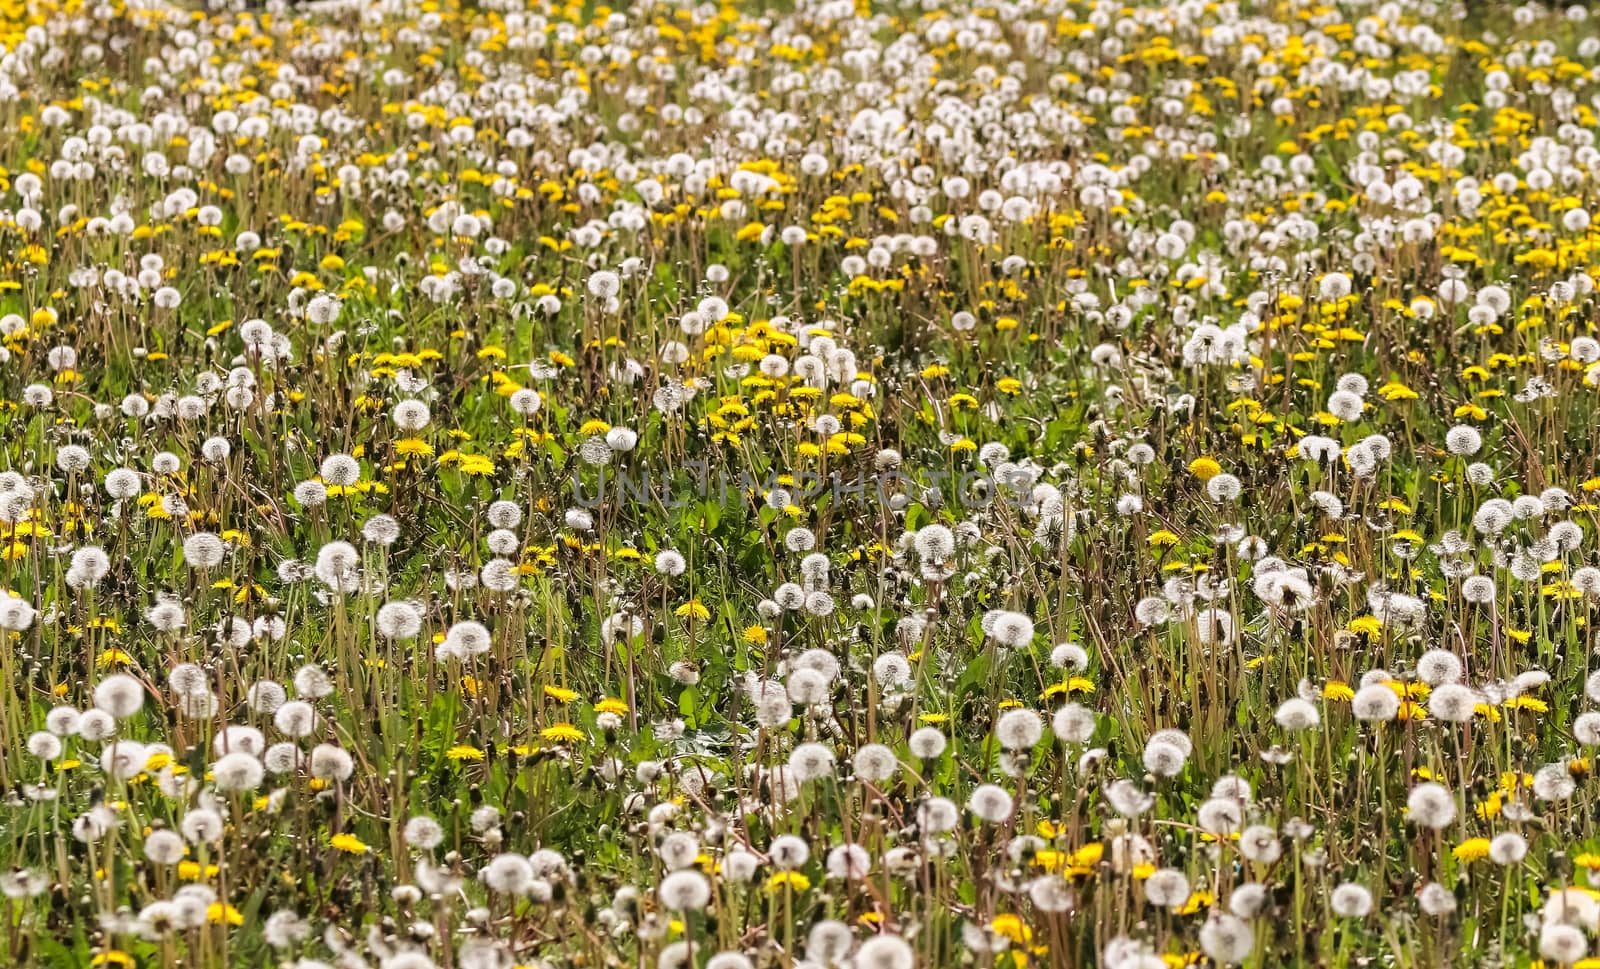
<point x="688" y="708"/>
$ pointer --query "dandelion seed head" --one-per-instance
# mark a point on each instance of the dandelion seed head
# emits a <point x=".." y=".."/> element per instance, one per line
<point x="119" y="695"/>
<point x="1166" y="888"/>
<point x="1019" y="729"/>
<point x="1375" y="702"/>
<point x="381" y="530"/>
<point x="340" y="469"/>
<point x="1350" y="901"/>
<point x="684" y="891"/>
<point x="1508" y="848"/>
<point x="237" y="771"/>
<point x="1562" y="944"/>
<point x="990" y="803"/>
<point x="1436" y="900"/>
<point x="1226" y="938"/>
<point x="1011" y="630"/>
<point x="885" y="952"/>
<point x="399" y="620"/>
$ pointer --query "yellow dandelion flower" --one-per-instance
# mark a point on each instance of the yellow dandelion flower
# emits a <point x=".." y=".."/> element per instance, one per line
<point x="1013" y="928"/>
<point x="1369" y="626"/>
<point x="1470" y="850"/>
<point x="1490" y="806"/>
<point x="219" y="912"/>
<point x="1196" y="902"/>
<point x="693" y="609"/>
<point x="1087" y="856"/>
<point x="476" y="464"/>
<point x="790" y="880"/>
<point x="561" y="733"/>
<point x="1338" y="691"/>
<point x="1395" y="390"/>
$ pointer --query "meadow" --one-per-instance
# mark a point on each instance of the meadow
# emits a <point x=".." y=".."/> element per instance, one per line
<point x="831" y="484"/>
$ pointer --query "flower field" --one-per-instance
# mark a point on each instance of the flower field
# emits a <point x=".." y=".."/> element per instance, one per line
<point x="816" y="483"/>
